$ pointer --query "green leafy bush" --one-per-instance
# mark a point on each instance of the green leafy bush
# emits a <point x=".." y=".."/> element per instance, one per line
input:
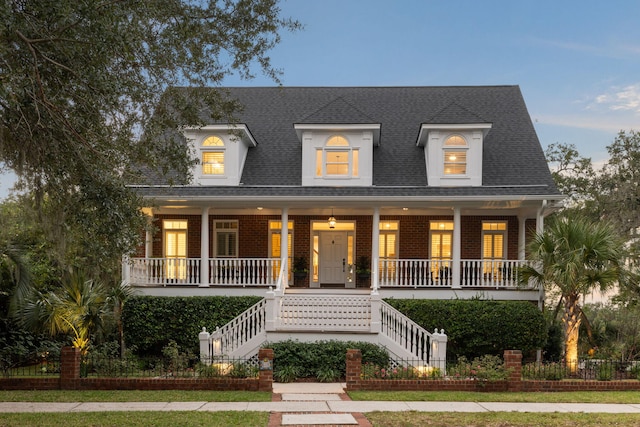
<point x="478" y="327"/>
<point x="484" y="368"/>
<point x="324" y="360"/>
<point x="373" y="371"/>
<point x="151" y="322"/>
<point x="552" y="371"/>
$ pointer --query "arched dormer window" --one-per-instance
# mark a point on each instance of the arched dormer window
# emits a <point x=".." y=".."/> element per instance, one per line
<point x="337" y="159"/>
<point x="213" y="150"/>
<point x="455" y="155"/>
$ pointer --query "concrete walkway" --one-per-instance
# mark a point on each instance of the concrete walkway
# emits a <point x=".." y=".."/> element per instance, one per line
<point x="317" y="404"/>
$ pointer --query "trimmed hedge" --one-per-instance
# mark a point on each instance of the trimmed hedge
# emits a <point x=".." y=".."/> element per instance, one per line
<point x="476" y="327"/>
<point x="151" y="322"/>
<point x="323" y="360"/>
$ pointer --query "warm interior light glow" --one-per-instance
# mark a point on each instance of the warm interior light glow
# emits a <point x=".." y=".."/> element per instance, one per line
<point x="452" y="157"/>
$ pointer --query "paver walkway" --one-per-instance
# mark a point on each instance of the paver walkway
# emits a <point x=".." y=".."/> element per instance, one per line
<point x="309" y="394"/>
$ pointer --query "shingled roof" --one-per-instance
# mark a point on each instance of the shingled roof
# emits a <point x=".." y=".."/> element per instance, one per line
<point x="513" y="160"/>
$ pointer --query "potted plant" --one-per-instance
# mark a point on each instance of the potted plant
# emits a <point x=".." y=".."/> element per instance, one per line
<point x="363" y="267"/>
<point x="300" y="267"/>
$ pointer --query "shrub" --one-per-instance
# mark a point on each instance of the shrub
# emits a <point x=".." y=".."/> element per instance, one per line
<point x="373" y="371"/>
<point x="553" y="371"/>
<point x="326" y="359"/>
<point x="485" y="368"/>
<point x="478" y="327"/>
<point x="605" y="371"/>
<point x="151" y="322"/>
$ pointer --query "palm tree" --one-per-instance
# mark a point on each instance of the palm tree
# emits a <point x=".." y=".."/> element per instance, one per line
<point x="78" y="308"/>
<point x="571" y="258"/>
<point x="118" y="296"/>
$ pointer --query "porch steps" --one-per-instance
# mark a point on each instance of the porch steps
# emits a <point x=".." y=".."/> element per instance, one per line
<point x="321" y="317"/>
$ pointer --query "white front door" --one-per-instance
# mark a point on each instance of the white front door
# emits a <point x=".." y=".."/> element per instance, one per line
<point x="333" y="257"/>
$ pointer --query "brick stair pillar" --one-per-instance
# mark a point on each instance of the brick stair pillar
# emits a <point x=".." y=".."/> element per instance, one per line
<point x="265" y="378"/>
<point x="354" y="369"/>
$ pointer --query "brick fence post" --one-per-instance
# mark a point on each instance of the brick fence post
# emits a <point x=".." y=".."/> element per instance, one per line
<point x="354" y="369"/>
<point x="513" y="363"/>
<point x="69" y="368"/>
<point x="265" y="378"/>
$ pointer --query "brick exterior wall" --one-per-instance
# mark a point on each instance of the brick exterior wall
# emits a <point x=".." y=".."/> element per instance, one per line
<point x="413" y="235"/>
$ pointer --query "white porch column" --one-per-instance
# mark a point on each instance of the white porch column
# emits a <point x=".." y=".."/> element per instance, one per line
<point x="522" y="236"/>
<point x="204" y="249"/>
<point x="539" y="230"/>
<point x="284" y="246"/>
<point x="540" y="218"/>
<point x="375" y="249"/>
<point x="148" y="237"/>
<point x="457" y="242"/>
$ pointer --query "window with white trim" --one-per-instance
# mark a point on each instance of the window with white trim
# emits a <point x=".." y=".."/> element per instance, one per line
<point x="455" y="155"/>
<point x="226" y="239"/>
<point x="275" y="228"/>
<point x="388" y="249"/>
<point x="213" y="153"/>
<point x="494" y="239"/>
<point x="175" y="248"/>
<point x="441" y="249"/>
<point x="337" y="159"/>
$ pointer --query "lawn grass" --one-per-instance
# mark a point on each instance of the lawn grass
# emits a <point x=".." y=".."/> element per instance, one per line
<point x="133" y="396"/>
<point x="500" y="419"/>
<point x="470" y="396"/>
<point x="138" y="419"/>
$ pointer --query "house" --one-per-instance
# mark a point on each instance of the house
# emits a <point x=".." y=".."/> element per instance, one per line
<point x="395" y="192"/>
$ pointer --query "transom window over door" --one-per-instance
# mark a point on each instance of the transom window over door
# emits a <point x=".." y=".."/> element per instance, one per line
<point x="455" y="155"/>
<point x="213" y="151"/>
<point x="337" y="159"/>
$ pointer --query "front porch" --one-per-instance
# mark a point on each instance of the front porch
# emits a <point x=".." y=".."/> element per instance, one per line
<point x="435" y="252"/>
<point x="395" y="278"/>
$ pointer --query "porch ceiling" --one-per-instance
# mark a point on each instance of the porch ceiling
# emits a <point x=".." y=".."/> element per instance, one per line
<point x="325" y="207"/>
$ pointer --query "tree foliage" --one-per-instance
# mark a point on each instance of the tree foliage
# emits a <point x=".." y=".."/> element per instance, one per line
<point x="80" y="81"/>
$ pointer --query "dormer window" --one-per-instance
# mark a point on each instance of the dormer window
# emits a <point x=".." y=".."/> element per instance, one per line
<point x="213" y="150"/>
<point x="455" y="155"/>
<point x="337" y="159"/>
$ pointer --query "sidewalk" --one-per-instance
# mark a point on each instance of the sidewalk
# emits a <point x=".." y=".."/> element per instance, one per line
<point x="306" y="398"/>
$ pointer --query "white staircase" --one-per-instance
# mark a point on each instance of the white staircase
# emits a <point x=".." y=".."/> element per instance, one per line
<point x="314" y="317"/>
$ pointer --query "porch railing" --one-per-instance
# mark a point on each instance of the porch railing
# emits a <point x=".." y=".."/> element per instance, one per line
<point x="418" y="273"/>
<point x="415" y="273"/>
<point x="244" y="271"/>
<point x="165" y="271"/>
<point x="490" y="273"/>
<point x="187" y="271"/>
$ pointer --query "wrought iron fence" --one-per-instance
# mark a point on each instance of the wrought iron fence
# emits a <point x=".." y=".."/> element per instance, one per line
<point x="182" y="366"/>
<point x="584" y="369"/>
<point x="41" y="364"/>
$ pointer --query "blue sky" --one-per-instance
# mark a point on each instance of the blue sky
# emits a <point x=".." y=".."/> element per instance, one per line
<point x="576" y="62"/>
